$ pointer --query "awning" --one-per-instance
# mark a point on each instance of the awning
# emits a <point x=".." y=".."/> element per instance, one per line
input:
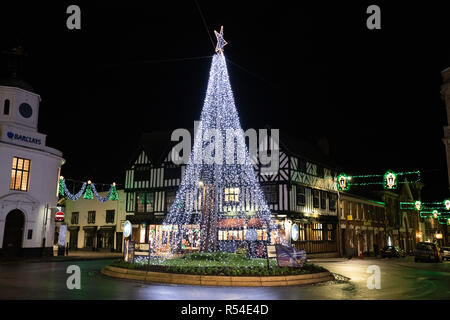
<point x="73" y="228"/>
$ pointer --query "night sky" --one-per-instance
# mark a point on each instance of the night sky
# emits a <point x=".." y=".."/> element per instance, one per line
<point x="310" y="70"/>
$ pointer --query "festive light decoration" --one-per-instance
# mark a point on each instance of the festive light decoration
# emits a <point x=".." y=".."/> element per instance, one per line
<point x="61" y="186"/>
<point x="88" y="194"/>
<point x="113" y="195"/>
<point x="89" y="190"/>
<point x="418" y="205"/>
<point x="199" y="218"/>
<point x="343" y="183"/>
<point x="447" y="204"/>
<point x="220" y="41"/>
<point x="435" y="214"/>
<point x="390" y="180"/>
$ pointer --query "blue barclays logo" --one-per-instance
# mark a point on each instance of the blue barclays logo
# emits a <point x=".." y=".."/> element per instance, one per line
<point x="16" y="136"/>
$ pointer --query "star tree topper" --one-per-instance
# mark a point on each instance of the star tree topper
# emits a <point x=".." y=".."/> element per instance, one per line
<point x="220" y="40"/>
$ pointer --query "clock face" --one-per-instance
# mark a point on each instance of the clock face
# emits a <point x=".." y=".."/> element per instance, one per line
<point x="25" y="110"/>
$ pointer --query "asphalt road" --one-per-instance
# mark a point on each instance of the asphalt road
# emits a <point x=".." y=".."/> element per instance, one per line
<point x="400" y="279"/>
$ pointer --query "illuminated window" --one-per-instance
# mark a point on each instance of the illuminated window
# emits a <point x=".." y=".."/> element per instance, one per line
<point x="145" y="201"/>
<point x="20" y="174"/>
<point x="231" y="194"/>
<point x="330" y="232"/>
<point x="317" y="232"/>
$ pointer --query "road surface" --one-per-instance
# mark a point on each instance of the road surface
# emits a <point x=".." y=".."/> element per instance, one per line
<point x="400" y="279"/>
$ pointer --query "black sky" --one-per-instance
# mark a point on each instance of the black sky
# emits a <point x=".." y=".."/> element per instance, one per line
<point x="310" y="70"/>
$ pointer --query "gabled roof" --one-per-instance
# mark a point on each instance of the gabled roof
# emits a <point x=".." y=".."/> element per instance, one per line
<point x="158" y="144"/>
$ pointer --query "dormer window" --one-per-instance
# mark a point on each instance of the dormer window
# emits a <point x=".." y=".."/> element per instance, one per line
<point x="231" y="194"/>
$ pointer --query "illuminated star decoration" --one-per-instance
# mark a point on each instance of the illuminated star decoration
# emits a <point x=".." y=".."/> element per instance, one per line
<point x="220" y="40"/>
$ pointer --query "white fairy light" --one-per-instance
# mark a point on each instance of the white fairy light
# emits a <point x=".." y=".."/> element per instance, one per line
<point x="219" y="205"/>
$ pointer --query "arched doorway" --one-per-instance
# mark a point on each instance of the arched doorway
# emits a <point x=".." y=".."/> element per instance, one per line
<point x="13" y="235"/>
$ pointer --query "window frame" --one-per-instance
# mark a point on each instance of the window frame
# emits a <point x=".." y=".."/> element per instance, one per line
<point x="301" y="195"/>
<point x="108" y="214"/>
<point x="91" y="217"/>
<point x="77" y="215"/>
<point x="15" y="169"/>
<point x="272" y="195"/>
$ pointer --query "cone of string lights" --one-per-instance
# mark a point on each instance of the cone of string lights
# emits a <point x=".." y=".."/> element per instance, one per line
<point x="219" y="205"/>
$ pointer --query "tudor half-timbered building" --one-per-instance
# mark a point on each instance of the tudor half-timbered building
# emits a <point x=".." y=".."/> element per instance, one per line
<point x="301" y="193"/>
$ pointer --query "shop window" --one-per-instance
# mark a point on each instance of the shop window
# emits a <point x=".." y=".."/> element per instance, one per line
<point x="91" y="217"/>
<point x="271" y="193"/>
<point x="74" y="218"/>
<point x="301" y="232"/>
<point x="331" y="234"/>
<point x="315" y="198"/>
<point x="231" y="194"/>
<point x="20" y="174"/>
<point x="301" y="197"/>
<point x="317" y="232"/>
<point x="110" y="216"/>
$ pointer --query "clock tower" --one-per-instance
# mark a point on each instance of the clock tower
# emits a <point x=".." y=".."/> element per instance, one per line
<point x="19" y="105"/>
<point x="29" y="170"/>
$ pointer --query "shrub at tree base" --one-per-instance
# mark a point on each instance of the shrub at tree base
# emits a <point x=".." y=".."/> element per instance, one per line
<point x="220" y="263"/>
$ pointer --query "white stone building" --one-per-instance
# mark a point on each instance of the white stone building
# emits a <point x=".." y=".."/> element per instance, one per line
<point x="92" y="224"/>
<point x="29" y="173"/>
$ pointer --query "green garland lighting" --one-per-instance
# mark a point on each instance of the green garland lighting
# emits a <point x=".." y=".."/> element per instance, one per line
<point x="89" y="190"/>
<point x="88" y="194"/>
<point x="389" y="180"/>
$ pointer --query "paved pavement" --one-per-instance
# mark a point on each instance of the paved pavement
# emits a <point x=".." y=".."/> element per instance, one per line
<point x="72" y="256"/>
<point x="400" y="279"/>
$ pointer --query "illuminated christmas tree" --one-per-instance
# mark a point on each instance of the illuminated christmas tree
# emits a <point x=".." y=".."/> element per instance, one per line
<point x="219" y="205"/>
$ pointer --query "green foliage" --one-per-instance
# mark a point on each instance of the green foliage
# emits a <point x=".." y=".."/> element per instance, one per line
<point x="220" y="263"/>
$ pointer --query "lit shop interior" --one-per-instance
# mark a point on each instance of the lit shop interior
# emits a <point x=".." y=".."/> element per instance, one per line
<point x="232" y="234"/>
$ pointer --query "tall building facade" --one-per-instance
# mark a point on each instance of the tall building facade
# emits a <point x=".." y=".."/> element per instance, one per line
<point x="29" y="172"/>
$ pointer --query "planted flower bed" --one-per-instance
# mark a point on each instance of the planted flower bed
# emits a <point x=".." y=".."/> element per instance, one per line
<point x="219" y="264"/>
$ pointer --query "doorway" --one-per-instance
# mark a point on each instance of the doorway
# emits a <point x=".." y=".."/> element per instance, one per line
<point x="13" y="235"/>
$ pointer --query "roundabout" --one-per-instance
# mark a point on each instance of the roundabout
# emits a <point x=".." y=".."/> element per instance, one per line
<point x="217" y="269"/>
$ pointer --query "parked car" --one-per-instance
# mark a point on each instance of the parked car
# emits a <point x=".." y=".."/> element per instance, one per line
<point x="445" y="253"/>
<point x="392" y="252"/>
<point x="427" y="251"/>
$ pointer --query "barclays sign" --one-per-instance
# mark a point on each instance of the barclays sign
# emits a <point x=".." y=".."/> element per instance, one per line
<point x="16" y="136"/>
